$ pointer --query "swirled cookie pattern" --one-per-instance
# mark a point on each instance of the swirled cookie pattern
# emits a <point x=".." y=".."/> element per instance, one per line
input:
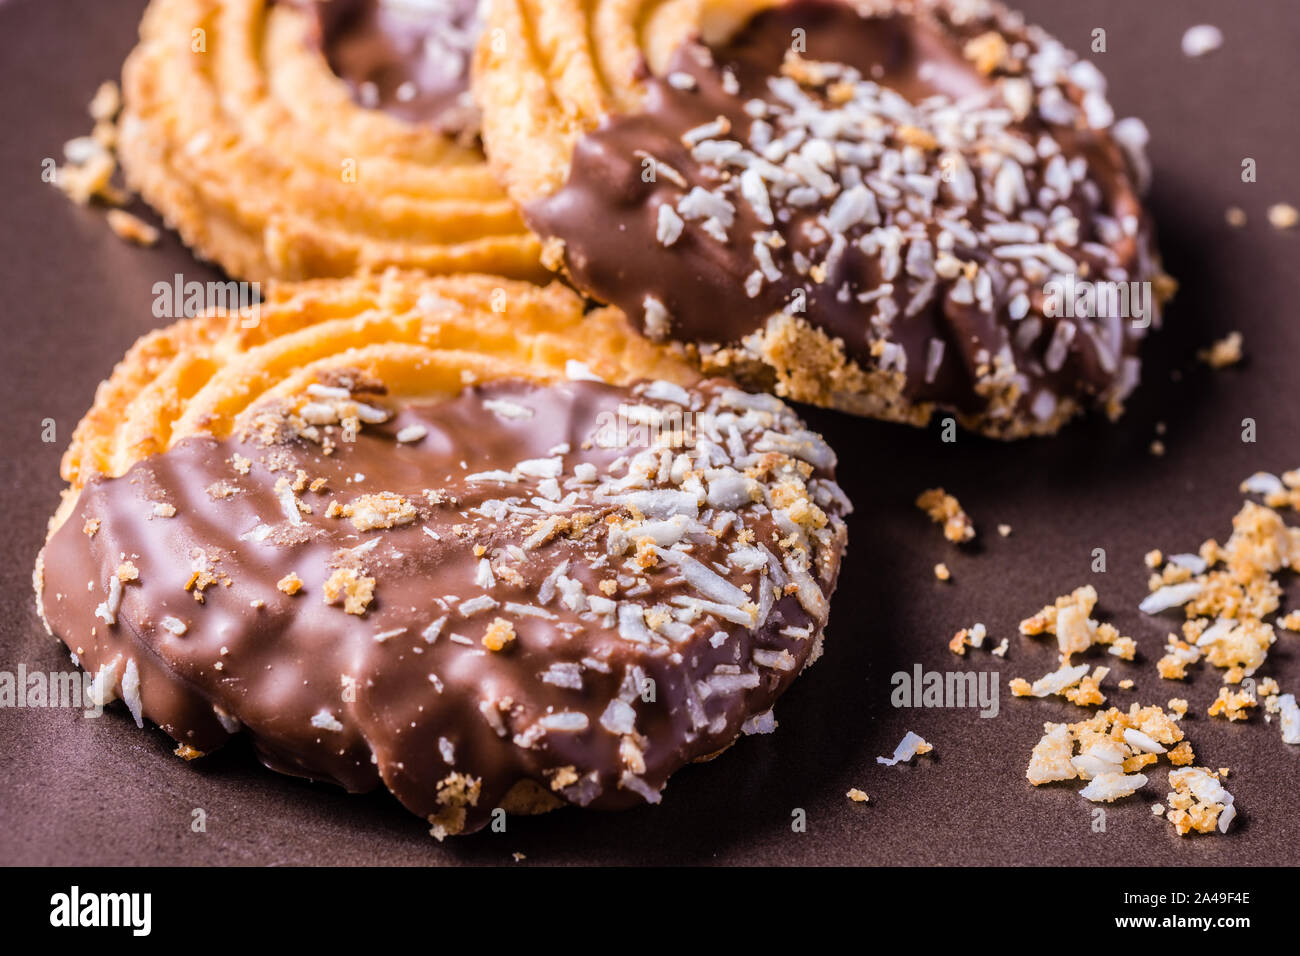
<point x="885" y="208"/>
<point x="482" y="580"/>
<point x="237" y="128"/>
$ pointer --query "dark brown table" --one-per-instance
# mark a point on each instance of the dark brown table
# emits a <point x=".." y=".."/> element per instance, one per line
<point x="101" y="791"/>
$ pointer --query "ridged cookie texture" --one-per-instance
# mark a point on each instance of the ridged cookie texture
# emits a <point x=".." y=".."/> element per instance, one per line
<point x="898" y="209"/>
<point x="236" y="129"/>
<point x="451" y="535"/>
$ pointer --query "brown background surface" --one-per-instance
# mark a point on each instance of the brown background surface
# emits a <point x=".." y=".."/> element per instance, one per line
<point x="101" y="791"/>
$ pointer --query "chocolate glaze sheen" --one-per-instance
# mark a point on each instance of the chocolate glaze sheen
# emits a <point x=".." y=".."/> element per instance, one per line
<point x="409" y="711"/>
<point x="606" y="213"/>
<point x="409" y="60"/>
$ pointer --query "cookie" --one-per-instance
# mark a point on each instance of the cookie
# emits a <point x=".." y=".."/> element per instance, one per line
<point x="304" y="139"/>
<point x="895" y="209"/>
<point x="445" y="534"/>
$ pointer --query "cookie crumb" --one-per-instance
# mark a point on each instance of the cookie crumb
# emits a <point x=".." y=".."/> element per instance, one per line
<point x="1224" y="352"/>
<point x="987" y="52"/>
<point x="1070" y="619"/>
<point x="290" y="583"/>
<point x="946" y="510"/>
<point x="351" y="587"/>
<point x="88" y="173"/>
<point x="382" y="510"/>
<point x="967" y="637"/>
<point x="1111" y="746"/>
<point x="106" y="103"/>
<point x="1233" y="705"/>
<point x="500" y="634"/>
<point x="1283" y="215"/>
<point x="1199" y="803"/>
<point x="132" y="228"/>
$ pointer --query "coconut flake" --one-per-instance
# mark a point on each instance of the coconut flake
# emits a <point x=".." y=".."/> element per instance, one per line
<point x="577" y="371"/>
<point x="131" y="691"/>
<point x="1143" y="742"/>
<point x="566" y="721"/>
<point x="288" y="503"/>
<point x="618" y="718"/>
<point x="1059" y="680"/>
<point x="630" y="781"/>
<point x="911" y="745"/>
<point x="564" y="674"/>
<point x="1201" y="39"/>
<point x="324" y="720"/>
<point x="432" y="631"/>
<point x="1262" y="483"/>
<point x="1112" y="786"/>
<point x="1192" y="562"/>
<point x="1290" y="719"/>
<point x="259" y="533"/>
<point x="229" y="724"/>
<point x="411" y="433"/>
<point x="631" y="623"/>
<point x="503" y="408"/>
<point x="764" y="723"/>
<point x="174" y="625"/>
<point x="107" y="610"/>
<point x="709" y="583"/>
<point x="1170" y="596"/>
<point x="670" y="225"/>
<point x="476" y="605"/>
<point x="103" y="689"/>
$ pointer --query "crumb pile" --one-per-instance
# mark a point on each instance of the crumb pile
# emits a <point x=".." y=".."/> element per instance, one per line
<point x="946" y="510"/>
<point x="90" y="165"/>
<point x="1231" y="597"/>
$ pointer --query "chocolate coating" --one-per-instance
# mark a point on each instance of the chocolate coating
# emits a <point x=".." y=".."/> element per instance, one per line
<point x="409" y="59"/>
<point x="379" y="691"/>
<point x="609" y="216"/>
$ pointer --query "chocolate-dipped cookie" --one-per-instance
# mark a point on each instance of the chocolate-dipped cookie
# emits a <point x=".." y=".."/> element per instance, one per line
<point x="891" y="208"/>
<point x="448" y="535"/>
<point x="292" y="139"/>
